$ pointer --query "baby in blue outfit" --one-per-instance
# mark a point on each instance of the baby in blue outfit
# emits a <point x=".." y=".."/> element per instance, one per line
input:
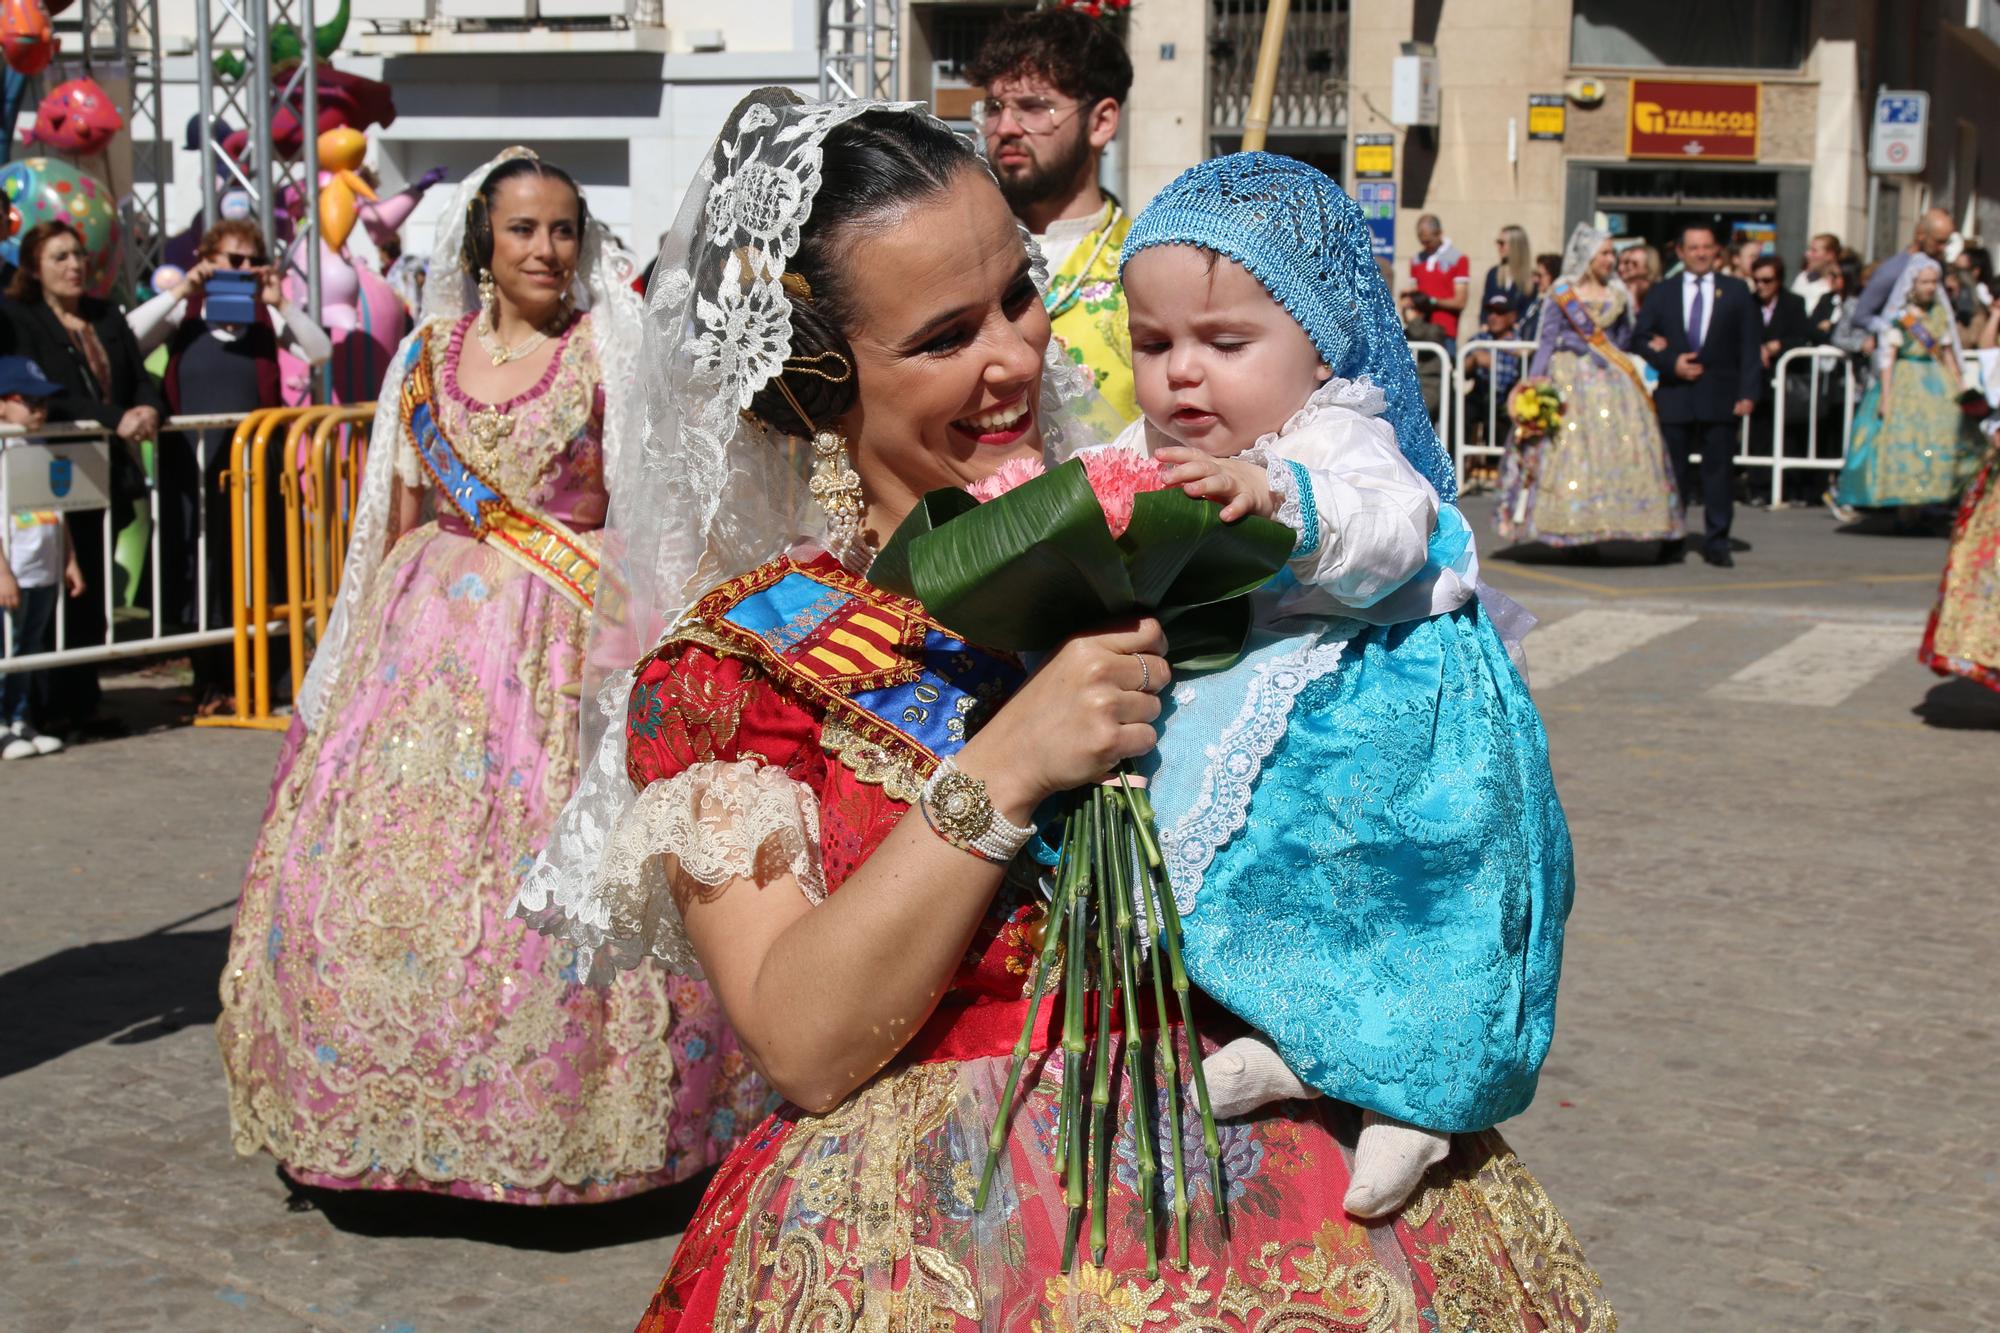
<point x="1360" y="822"/>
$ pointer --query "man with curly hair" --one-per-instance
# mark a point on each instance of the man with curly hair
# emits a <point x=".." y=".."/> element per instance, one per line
<point x="1056" y="82"/>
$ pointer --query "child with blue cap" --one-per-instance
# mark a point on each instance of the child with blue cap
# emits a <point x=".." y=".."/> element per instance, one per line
<point x="1360" y="821"/>
<point x="35" y="561"/>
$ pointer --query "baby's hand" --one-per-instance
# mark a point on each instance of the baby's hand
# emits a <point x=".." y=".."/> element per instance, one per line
<point x="1242" y="489"/>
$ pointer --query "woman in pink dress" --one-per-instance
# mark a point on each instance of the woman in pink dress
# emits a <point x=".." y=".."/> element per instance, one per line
<point x="385" y="1024"/>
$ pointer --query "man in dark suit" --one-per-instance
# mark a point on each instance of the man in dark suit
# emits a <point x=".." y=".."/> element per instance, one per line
<point x="1786" y="326"/>
<point x="1702" y="332"/>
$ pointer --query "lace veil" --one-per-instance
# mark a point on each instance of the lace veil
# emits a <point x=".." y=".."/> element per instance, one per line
<point x="1582" y="247"/>
<point x="602" y="286"/>
<point x="699" y="491"/>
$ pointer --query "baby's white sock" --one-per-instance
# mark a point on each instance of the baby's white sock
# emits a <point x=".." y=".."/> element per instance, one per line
<point x="1247" y="1074"/>
<point x="1388" y="1162"/>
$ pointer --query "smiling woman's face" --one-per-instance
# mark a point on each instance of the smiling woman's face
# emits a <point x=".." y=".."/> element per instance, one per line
<point x="948" y="343"/>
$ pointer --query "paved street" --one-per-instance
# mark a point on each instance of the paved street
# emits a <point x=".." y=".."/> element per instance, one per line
<point x="1770" y="1103"/>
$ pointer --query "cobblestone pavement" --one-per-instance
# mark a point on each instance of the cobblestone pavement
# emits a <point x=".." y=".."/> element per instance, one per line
<point x="1770" y="1103"/>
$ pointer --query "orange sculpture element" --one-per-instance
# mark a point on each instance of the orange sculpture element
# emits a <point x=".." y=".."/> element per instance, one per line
<point x="25" y="36"/>
<point x="78" y="117"/>
<point x="340" y="154"/>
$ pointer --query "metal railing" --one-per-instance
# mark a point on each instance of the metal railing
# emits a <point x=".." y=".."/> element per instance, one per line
<point x="1442" y="414"/>
<point x="316" y="455"/>
<point x="1818" y="363"/>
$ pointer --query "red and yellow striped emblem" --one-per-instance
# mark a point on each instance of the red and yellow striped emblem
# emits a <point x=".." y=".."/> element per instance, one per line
<point x="860" y="642"/>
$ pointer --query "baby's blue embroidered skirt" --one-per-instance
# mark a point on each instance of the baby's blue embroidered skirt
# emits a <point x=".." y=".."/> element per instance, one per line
<point x="1391" y="913"/>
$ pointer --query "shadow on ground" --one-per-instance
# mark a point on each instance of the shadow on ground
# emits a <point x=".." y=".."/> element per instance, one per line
<point x="1960" y="705"/>
<point x="127" y="991"/>
<point x="561" y="1229"/>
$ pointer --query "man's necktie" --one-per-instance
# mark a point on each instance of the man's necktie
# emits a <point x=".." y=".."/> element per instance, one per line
<point x="1695" y="313"/>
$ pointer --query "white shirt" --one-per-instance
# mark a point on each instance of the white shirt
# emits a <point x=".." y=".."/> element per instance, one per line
<point x="1059" y="242"/>
<point x="1707" y="282"/>
<point x="1810" y="289"/>
<point x="33" y="541"/>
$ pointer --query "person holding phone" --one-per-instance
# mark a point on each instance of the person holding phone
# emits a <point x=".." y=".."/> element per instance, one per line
<point x="223" y="326"/>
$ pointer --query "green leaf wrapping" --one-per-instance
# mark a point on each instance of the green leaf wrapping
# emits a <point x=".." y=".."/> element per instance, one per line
<point x="1023" y="572"/>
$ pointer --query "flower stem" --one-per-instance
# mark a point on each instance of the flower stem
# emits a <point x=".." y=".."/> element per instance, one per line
<point x="1100" y="1087"/>
<point x="996" y="1144"/>
<point x="1143" y="1111"/>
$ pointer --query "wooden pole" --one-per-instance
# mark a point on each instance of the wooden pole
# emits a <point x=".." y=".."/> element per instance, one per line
<point x="1264" y="88"/>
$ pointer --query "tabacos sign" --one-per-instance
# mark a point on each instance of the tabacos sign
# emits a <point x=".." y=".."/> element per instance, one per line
<point x="1691" y="121"/>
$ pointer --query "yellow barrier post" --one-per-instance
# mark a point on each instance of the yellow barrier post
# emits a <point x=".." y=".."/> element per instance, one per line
<point x="292" y="486"/>
<point x="234" y="479"/>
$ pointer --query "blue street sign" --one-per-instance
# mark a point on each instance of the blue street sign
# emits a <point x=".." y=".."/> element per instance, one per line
<point x="1378" y="207"/>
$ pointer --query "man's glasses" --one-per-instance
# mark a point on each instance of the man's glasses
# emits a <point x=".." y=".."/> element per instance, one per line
<point x="1033" y="114"/>
<point x="244" y="261"/>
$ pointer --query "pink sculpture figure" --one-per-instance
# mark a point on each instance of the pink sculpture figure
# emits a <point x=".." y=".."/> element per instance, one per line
<point x="365" y="320"/>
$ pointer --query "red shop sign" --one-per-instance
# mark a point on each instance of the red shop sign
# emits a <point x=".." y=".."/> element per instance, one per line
<point x="1681" y="119"/>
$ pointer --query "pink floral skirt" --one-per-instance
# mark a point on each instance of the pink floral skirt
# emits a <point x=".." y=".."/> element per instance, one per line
<point x="385" y="1024"/>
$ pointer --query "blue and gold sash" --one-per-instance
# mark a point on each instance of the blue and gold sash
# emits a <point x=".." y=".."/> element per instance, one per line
<point x="1587" y="328"/>
<point x="899" y="691"/>
<point x="545" y="545"/>
<point x="1915" y="326"/>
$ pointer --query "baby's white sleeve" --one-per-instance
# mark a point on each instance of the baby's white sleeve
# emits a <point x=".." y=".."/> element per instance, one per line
<point x="1367" y="528"/>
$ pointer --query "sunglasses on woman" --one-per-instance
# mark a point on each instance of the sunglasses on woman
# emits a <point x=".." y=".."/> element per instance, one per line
<point x="244" y="261"/>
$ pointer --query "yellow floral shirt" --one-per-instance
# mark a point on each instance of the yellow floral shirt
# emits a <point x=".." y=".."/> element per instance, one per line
<point x="1086" y="304"/>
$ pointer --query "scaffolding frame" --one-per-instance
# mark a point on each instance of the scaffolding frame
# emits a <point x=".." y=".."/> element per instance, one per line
<point x="126" y="35"/>
<point x="252" y="102"/>
<point x="860" y="49"/>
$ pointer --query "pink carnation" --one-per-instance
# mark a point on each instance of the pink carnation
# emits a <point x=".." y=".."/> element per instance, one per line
<point x="1010" y="474"/>
<point x="1117" y="477"/>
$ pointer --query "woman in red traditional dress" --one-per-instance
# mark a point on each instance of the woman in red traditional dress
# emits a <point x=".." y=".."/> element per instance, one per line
<point x="813" y="793"/>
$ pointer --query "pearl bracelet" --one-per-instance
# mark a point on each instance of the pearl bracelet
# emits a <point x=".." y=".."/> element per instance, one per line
<point x="957" y="808"/>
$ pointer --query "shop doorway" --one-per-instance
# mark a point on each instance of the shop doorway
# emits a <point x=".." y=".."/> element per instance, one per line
<point x="1649" y="202"/>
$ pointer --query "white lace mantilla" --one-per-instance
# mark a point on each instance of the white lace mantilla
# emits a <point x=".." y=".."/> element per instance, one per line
<point x="1221" y="803"/>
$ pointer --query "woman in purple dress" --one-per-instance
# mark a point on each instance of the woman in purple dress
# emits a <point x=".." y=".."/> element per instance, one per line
<point x="385" y="1024"/>
<point x="1602" y="474"/>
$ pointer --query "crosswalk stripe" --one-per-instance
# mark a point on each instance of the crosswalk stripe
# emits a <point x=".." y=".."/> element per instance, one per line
<point x="1821" y="667"/>
<point x="1590" y="638"/>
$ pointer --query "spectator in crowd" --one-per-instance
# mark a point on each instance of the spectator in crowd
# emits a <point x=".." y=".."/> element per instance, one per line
<point x="1441" y="280"/>
<point x="1056" y="83"/>
<point x="1934" y="231"/>
<point x="1548" y="267"/>
<point x="1816" y="274"/>
<point x="215" y="368"/>
<point x="1702" y="334"/>
<point x="1744" y="251"/>
<point x="1786" y="326"/>
<point x="1494" y="373"/>
<point x="1430" y="375"/>
<point x="1783" y="314"/>
<point x="1826" y="316"/>
<point x="1638" y="269"/>
<point x="36" y="564"/>
<point x="1513" y="271"/>
<point x="1974" y="271"/>
<point x="85" y="346"/>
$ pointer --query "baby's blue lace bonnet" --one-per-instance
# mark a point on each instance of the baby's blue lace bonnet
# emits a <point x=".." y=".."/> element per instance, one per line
<point x="1305" y="240"/>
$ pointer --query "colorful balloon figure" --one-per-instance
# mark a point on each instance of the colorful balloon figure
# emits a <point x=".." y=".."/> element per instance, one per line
<point x="365" y="319"/>
<point x="46" y="188"/>
<point x="78" y="117"/>
<point x="26" y="38"/>
<point x="340" y="185"/>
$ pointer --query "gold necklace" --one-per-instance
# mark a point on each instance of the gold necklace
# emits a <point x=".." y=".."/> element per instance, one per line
<point x="499" y="351"/>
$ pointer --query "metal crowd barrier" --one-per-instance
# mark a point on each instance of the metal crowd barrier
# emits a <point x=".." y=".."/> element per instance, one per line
<point x="317" y="455"/>
<point x="1818" y="363"/>
<point x="1442" y="415"/>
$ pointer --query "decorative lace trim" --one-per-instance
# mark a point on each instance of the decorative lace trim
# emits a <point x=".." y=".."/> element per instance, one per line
<point x="1356" y="395"/>
<point x="1222" y="803"/>
<point x="695" y="832"/>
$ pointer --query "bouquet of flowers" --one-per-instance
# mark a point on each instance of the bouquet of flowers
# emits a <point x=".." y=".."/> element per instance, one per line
<point x="1023" y="561"/>
<point x="1536" y="408"/>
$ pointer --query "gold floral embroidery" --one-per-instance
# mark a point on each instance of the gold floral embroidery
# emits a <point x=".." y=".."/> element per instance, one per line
<point x="1092" y="1300"/>
<point x="1561" y="1285"/>
<point x="874" y="764"/>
